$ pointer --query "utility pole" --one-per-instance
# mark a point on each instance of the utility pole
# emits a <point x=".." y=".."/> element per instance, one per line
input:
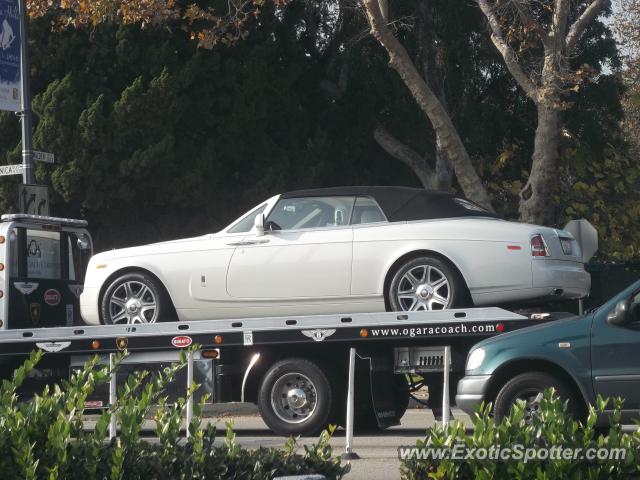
<point x="28" y="177"/>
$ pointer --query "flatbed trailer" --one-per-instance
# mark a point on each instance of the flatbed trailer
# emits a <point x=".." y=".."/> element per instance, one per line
<point x="295" y="367"/>
<point x="300" y="361"/>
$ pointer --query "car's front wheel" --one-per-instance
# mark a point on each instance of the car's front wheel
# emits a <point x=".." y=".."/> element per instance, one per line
<point x="529" y="387"/>
<point x="426" y="283"/>
<point x="133" y="298"/>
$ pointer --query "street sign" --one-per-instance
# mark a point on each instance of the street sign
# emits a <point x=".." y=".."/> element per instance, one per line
<point x="34" y="199"/>
<point x="586" y="235"/>
<point x="44" y="157"/>
<point x="9" y="55"/>
<point x="11" y="169"/>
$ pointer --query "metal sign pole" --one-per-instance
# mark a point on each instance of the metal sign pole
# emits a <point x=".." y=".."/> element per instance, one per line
<point x="189" y="383"/>
<point x="112" y="397"/>
<point x="349" y="454"/>
<point x="25" y="98"/>
<point x="445" y="386"/>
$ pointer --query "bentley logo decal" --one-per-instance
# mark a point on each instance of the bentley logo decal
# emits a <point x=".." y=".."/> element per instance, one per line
<point x="53" y="346"/>
<point x="122" y="342"/>
<point x="26" y="287"/>
<point x="319" y="334"/>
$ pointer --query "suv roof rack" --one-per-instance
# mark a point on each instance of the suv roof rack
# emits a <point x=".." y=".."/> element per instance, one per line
<point x="42" y="220"/>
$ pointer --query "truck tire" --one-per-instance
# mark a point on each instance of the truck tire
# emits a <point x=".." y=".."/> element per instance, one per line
<point x="295" y="397"/>
<point x="529" y="387"/>
<point x="426" y="283"/>
<point x="132" y="298"/>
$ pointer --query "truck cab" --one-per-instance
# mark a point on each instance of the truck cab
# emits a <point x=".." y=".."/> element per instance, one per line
<point x="581" y="357"/>
<point x="42" y="266"/>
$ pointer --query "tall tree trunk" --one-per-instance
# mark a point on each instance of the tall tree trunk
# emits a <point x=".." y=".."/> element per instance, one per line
<point x="444" y="169"/>
<point x="536" y="198"/>
<point x="559" y="40"/>
<point x="446" y="133"/>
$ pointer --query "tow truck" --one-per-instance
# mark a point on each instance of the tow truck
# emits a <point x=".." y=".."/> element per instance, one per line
<point x="295" y="368"/>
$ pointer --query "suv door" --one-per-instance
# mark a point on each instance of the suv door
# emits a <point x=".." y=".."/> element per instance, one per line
<point x="615" y="357"/>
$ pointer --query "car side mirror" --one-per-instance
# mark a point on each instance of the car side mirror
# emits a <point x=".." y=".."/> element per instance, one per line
<point x="623" y="313"/>
<point x="259" y="224"/>
<point x="83" y="242"/>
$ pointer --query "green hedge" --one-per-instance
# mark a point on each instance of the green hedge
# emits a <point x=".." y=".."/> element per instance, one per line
<point x="44" y="438"/>
<point x="552" y="428"/>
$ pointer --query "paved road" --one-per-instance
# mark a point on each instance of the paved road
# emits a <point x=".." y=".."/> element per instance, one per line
<point x="378" y="452"/>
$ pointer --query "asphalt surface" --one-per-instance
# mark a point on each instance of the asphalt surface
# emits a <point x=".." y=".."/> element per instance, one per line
<point x="378" y="452"/>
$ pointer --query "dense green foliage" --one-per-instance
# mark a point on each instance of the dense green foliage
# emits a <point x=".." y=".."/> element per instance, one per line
<point x="551" y="428"/>
<point x="157" y="139"/>
<point x="45" y="438"/>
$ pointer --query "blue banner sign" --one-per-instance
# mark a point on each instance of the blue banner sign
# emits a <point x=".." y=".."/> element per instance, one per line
<point x="9" y="55"/>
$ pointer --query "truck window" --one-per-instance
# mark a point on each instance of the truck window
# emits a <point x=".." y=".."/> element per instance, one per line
<point x="42" y="254"/>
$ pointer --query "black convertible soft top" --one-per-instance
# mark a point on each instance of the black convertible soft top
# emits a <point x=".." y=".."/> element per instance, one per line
<point x="401" y="204"/>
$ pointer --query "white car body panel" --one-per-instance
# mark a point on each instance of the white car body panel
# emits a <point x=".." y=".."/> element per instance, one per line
<point x="339" y="269"/>
<point x="293" y="264"/>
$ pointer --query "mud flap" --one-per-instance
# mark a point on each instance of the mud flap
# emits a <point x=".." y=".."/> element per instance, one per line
<point x="384" y="400"/>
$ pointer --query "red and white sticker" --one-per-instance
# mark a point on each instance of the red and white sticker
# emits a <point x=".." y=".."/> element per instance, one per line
<point x="181" y="342"/>
<point x="93" y="404"/>
<point x="52" y="297"/>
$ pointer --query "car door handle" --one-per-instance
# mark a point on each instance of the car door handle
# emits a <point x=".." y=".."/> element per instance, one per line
<point x="248" y="242"/>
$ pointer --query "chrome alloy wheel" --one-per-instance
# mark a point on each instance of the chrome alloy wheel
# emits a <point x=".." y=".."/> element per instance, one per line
<point x="531" y="405"/>
<point x="133" y="302"/>
<point x="293" y="398"/>
<point x="424" y="287"/>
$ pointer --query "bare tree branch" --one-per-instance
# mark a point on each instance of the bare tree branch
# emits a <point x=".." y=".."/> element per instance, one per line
<point x="451" y="142"/>
<point x="384" y="9"/>
<point x="579" y="26"/>
<point x="509" y="56"/>
<point x="560" y="15"/>
<point x="406" y="155"/>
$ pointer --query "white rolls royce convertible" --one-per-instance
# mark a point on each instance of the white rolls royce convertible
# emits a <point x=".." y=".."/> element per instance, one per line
<point x="337" y="250"/>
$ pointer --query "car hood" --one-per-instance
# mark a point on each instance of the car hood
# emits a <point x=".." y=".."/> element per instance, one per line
<point x="574" y="325"/>
<point x="172" y="246"/>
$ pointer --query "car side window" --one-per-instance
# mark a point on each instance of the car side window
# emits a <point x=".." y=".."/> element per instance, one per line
<point x="310" y="212"/>
<point x="366" y="210"/>
<point x="246" y="223"/>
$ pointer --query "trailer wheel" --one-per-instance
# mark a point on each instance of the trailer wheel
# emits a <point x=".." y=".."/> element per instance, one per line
<point x="294" y="398"/>
<point x="133" y="298"/>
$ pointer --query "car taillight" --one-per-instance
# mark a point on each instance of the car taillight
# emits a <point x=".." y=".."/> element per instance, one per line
<point x="538" y="247"/>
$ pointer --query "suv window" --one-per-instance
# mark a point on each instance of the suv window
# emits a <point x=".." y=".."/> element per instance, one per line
<point x="366" y="210"/>
<point x="310" y="212"/>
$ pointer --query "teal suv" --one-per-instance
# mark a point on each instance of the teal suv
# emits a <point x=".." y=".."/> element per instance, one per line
<point x="581" y="356"/>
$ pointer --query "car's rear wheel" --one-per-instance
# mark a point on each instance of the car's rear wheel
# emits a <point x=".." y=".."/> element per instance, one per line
<point x="529" y="387"/>
<point x="426" y="283"/>
<point x="133" y="298"/>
